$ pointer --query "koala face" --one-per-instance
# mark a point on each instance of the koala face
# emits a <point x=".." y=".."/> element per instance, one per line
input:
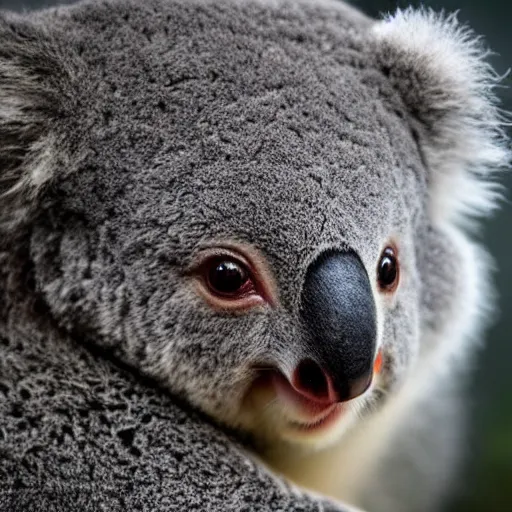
<point x="225" y="279"/>
<point x="243" y="210"/>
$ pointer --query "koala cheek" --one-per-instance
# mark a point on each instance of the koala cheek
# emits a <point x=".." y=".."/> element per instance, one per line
<point x="205" y="357"/>
<point x="400" y="342"/>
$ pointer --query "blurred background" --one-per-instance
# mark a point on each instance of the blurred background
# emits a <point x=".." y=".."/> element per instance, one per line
<point x="487" y="485"/>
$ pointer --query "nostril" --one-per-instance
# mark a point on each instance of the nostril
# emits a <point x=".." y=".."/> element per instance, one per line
<point x="310" y="380"/>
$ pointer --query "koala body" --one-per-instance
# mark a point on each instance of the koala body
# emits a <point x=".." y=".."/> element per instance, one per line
<point x="235" y="258"/>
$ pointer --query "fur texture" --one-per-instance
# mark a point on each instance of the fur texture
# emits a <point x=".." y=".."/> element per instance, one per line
<point x="137" y="136"/>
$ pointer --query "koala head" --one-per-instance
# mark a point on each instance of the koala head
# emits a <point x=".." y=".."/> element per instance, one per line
<point x="260" y="206"/>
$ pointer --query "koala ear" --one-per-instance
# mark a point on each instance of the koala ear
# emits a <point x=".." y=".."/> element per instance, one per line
<point x="439" y="69"/>
<point x="34" y="80"/>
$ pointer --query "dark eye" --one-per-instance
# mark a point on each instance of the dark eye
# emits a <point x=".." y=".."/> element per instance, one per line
<point x="388" y="270"/>
<point x="228" y="278"/>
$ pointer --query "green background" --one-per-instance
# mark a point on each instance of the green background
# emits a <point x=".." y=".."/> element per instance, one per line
<point x="487" y="485"/>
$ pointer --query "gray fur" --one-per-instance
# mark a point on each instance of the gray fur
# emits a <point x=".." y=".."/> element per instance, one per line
<point x="163" y="127"/>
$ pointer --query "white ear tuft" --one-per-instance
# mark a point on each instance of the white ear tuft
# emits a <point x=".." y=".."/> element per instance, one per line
<point x="33" y="83"/>
<point x="439" y="67"/>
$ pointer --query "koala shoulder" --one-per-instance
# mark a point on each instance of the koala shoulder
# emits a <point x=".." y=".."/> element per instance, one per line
<point x="102" y="437"/>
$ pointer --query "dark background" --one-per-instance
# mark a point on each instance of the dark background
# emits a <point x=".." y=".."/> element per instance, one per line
<point x="487" y="485"/>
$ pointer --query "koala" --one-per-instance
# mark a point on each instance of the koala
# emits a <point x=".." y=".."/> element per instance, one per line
<point x="239" y="268"/>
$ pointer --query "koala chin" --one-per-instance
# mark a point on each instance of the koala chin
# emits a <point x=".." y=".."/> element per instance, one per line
<point x="264" y="210"/>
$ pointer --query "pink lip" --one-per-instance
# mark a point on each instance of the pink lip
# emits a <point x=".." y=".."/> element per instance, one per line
<point x="322" y="423"/>
<point x="313" y="415"/>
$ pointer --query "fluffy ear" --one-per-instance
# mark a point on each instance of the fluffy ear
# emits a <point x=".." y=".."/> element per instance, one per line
<point x="440" y="71"/>
<point x="34" y="95"/>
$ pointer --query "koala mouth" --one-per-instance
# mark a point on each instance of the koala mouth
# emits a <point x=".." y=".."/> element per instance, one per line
<point x="322" y="423"/>
<point x="303" y="413"/>
<point x="308" y="415"/>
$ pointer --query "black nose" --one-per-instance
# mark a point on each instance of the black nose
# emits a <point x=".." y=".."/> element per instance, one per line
<point x="339" y="316"/>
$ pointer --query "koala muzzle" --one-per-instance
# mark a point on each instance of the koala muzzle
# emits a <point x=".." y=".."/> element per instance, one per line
<point x="340" y="321"/>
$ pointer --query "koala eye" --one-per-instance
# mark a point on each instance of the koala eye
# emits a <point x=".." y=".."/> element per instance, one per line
<point x="232" y="278"/>
<point x="388" y="271"/>
<point x="228" y="278"/>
